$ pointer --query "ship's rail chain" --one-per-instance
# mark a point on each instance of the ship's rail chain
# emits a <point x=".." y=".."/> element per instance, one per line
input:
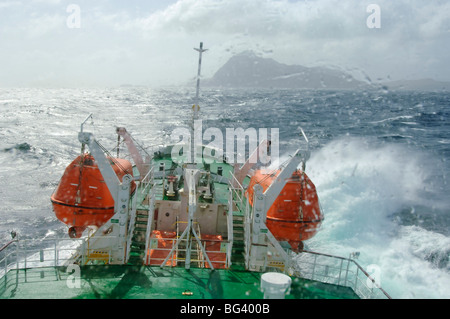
<point x="26" y="254"/>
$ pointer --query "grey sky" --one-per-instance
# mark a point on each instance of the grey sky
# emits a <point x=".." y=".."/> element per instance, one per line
<point x="149" y="42"/>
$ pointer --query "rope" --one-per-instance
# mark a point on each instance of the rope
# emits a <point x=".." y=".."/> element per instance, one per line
<point x="111" y="158"/>
<point x="273" y="172"/>
<point x="142" y="148"/>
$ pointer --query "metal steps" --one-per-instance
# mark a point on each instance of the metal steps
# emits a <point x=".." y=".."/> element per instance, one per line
<point x="137" y="248"/>
<point x="159" y="191"/>
<point x="237" y="256"/>
<point x="197" y="259"/>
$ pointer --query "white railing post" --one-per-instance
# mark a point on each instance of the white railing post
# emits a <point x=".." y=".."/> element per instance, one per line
<point x="148" y="233"/>
<point x="17" y="255"/>
<point x="230" y="227"/>
<point x="346" y="273"/>
<point x="6" y="263"/>
<point x="25" y="252"/>
<point x="340" y="271"/>
<point x="314" y="267"/>
<point x="56" y="253"/>
<point x="356" y="279"/>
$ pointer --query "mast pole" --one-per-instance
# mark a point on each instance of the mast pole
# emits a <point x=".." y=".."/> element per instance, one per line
<point x="196" y="107"/>
<point x="200" y="52"/>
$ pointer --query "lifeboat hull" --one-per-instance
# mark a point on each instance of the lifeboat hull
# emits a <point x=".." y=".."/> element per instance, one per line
<point x="82" y="197"/>
<point x="295" y="216"/>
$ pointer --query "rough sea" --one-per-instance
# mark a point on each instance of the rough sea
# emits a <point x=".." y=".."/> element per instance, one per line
<point x="380" y="161"/>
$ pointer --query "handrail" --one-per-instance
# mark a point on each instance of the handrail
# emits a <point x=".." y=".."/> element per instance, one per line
<point x="373" y="280"/>
<point x="235" y="180"/>
<point x="53" y="252"/>
<point x="52" y="256"/>
<point x="236" y="190"/>
<point x="6" y="245"/>
<point x="326" y="255"/>
<point x="55" y="259"/>
<point x="151" y="210"/>
<point x="355" y="263"/>
<point x="201" y="259"/>
<point x="147" y="179"/>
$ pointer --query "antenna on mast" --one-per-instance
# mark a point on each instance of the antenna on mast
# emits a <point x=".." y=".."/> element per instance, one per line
<point x="196" y="107"/>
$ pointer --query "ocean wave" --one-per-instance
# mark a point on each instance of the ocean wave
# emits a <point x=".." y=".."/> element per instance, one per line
<point x="362" y="185"/>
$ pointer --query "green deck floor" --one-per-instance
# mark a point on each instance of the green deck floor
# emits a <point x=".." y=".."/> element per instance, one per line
<point x="127" y="282"/>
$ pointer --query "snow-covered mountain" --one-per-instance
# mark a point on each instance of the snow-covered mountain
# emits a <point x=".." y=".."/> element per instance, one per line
<point x="248" y="70"/>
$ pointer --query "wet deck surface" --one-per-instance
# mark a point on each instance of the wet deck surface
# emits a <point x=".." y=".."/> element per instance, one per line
<point x="127" y="282"/>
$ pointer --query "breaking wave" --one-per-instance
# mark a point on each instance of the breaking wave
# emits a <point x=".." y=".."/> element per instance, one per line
<point x="364" y="185"/>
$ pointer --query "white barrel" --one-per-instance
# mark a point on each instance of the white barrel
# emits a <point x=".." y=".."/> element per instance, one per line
<point x="275" y="285"/>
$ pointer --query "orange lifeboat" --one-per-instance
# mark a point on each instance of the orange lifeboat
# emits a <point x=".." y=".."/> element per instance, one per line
<point x="82" y="197"/>
<point x="295" y="216"/>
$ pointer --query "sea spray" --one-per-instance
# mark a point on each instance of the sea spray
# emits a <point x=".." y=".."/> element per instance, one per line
<point x="362" y="183"/>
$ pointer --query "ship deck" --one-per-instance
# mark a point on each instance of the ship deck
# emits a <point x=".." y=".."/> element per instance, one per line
<point x="150" y="282"/>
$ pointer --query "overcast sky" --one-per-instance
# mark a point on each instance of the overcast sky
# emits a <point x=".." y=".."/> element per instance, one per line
<point x="150" y="42"/>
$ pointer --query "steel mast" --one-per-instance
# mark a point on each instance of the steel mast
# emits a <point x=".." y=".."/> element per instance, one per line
<point x="196" y="107"/>
<point x="191" y="176"/>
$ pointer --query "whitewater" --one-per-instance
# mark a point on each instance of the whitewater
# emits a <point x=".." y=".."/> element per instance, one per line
<point x="379" y="160"/>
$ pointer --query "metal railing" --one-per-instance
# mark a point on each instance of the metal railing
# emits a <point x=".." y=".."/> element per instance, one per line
<point x="230" y="227"/>
<point x="57" y="252"/>
<point x="338" y="271"/>
<point x="7" y="253"/>
<point x="147" y="181"/>
<point x="237" y="192"/>
<point x="160" y="248"/>
<point x="25" y="254"/>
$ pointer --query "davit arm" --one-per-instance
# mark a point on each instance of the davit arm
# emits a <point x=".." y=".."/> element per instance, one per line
<point x="110" y="177"/>
<point x="137" y="158"/>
